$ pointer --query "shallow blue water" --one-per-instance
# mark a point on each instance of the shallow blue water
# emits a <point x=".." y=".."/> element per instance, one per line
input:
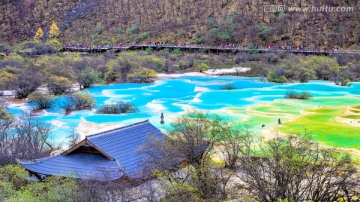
<point x="173" y="96"/>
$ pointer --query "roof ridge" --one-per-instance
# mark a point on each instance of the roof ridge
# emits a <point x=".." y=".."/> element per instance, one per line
<point x="122" y="127"/>
<point x="34" y="161"/>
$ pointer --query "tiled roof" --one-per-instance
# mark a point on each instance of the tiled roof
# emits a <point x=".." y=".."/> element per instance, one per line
<point x="79" y="165"/>
<point x="122" y="145"/>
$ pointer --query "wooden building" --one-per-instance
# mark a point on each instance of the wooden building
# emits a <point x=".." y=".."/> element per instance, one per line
<point x="105" y="156"/>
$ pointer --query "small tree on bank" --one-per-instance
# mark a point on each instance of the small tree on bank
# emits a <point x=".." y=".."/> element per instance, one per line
<point x="54" y="31"/>
<point x="42" y="100"/>
<point x="25" y="138"/>
<point x="142" y="75"/>
<point x="190" y="144"/>
<point x="26" y="82"/>
<point x="39" y="34"/>
<point x="78" y="101"/>
<point x="117" y="108"/>
<point x="58" y="85"/>
<point x="87" y="78"/>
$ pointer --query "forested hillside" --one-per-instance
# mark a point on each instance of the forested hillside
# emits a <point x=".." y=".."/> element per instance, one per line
<point x="196" y="21"/>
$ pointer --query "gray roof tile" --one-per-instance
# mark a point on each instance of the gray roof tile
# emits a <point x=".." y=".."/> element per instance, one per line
<point x="121" y="144"/>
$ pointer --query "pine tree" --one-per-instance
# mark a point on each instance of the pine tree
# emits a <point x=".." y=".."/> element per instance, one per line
<point x="39" y="34"/>
<point x="54" y="31"/>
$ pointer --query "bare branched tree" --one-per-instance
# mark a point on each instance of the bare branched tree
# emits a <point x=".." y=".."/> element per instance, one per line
<point x="26" y="138"/>
<point x="74" y="137"/>
<point x="189" y="148"/>
<point x="297" y="169"/>
<point x="234" y="143"/>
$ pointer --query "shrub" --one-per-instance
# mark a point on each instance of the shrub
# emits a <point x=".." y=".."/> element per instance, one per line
<point x="199" y="40"/>
<point x="78" y="101"/>
<point x="204" y="50"/>
<point x="117" y="108"/>
<point x="13" y="63"/>
<point x="203" y="67"/>
<point x="142" y="36"/>
<point x="248" y="55"/>
<point x="39" y="49"/>
<point x="304" y="74"/>
<point x="87" y="78"/>
<point x="164" y="53"/>
<point x="211" y="22"/>
<point x="177" y="51"/>
<point x="153" y="62"/>
<point x="240" y="57"/>
<point x="26" y="82"/>
<point x="4" y="114"/>
<point x="42" y="100"/>
<point x="324" y="67"/>
<point x="142" y="75"/>
<point x="58" y="85"/>
<point x="186" y="63"/>
<point x="251" y="50"/>
<point x="119" y="69"/>
<point x="298" y="95"/>
<point x="228" y="87"/>
<point x="15" y="186"/>
<point x="5" y="79"/>
<point x="211" y="35"/>
<point x="354" y="72"/>
<point x="98" y="30"/>
<point x="148" y="50"/>
<point x="343" y="59"/>
<point x="4" y="48"/>
<point x="132" y="30"/>
<point x="276" y="75"/>
<point x="342" y="81"/>
<point x="271" y="58"/>
<point x="224" y="36"/>
<point x="54" y="43"/>
<point x="264" y="32"/>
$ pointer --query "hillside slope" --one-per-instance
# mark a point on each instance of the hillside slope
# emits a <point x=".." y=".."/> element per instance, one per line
<point x="202" y="21"/>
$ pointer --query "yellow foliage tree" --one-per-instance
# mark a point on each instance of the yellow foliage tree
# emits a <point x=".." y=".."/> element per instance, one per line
<point x="54" y="30"/>
<point x="39" y="34"/>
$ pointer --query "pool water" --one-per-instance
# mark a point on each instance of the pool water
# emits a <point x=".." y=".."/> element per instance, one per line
<point x="251" y="103"/>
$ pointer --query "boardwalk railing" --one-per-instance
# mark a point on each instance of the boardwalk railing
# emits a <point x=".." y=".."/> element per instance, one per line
<point x="202" y="48"/>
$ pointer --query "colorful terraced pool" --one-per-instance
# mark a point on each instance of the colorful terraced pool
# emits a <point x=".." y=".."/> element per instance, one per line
<point x="332" y="116"/>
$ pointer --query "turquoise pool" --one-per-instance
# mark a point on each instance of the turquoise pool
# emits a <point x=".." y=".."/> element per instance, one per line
<point x="174" y="96"/>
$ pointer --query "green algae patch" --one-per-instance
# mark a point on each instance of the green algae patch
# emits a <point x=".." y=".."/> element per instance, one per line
<point x="317" y="116"/>
<point x="355" y="110"/>
<point x="323" y="117"/>
<point x="322" y="124"/>
<point x="351" y="117"/>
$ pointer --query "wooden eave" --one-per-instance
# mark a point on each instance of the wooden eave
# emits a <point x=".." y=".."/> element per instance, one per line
<point x="83" y="143"/>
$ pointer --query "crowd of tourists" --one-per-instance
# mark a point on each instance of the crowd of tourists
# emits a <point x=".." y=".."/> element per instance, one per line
<point x="294" y="48"/>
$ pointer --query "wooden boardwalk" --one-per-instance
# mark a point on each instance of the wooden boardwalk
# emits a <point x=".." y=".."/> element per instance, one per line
<point x="205" y="49"/>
